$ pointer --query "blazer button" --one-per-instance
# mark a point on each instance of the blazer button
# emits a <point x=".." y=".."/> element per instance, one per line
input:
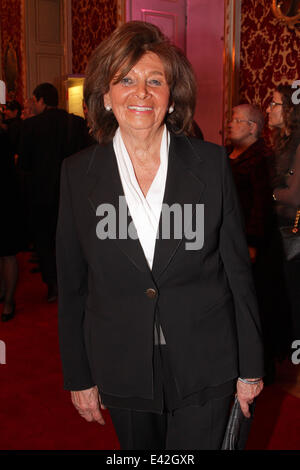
<point x="151" y="293"/>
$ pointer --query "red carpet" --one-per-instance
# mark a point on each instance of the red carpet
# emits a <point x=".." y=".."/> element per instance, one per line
<point x="276" y="425"/>
<point x="37" y="414"/>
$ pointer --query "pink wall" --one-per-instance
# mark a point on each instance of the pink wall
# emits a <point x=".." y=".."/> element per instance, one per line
<point x="205" y="30"/>
<point x="204" y="48"/>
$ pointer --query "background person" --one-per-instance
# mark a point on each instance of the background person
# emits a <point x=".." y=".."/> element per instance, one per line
<point x="251" y="162"/>
<point x="47" y="138"/>
<point x="249" y="158"/>
<point x="10" y="229"/>
<point x="13" y="121"/>
<point x="284" y="118"/>
<point x="157" y="333"/>
<point x="28" y="109"/>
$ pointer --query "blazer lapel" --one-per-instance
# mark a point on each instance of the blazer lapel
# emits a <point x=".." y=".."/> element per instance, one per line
<point x="183" y="186"/>
<point x="106" y="188"/>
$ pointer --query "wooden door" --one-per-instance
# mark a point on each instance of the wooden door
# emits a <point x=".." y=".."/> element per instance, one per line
<point x="45" y="40"/>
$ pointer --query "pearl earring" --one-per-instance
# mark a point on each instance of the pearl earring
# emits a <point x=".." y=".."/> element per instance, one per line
<point x="171" y="109"/>
<point x="108" y="107"/>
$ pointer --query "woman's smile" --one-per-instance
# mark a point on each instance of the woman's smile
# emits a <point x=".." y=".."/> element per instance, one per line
<point x="140" y="109"/>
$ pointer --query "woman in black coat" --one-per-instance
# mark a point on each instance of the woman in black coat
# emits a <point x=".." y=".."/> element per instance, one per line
<point x="10" y="230"/>
<point x="284" y="118"/>
<point x="157" y="312"/>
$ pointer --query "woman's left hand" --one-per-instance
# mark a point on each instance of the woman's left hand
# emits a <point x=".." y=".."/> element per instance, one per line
<point x="246" y="394"/>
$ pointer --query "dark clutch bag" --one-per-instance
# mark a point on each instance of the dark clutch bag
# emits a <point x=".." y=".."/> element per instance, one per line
<point x="238" y="428"/>
<point x="291" y="239"/>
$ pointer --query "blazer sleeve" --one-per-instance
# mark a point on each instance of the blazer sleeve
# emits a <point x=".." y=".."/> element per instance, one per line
<point x="235" y="256"/>
<point x="72" y="292"/>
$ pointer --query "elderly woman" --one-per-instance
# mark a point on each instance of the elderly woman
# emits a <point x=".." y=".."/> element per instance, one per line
<point x="157" y="314"/>
<point x="284" y="118"/>
<point x="249" y="157"/>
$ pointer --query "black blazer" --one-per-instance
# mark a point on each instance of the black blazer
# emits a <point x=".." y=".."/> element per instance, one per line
<point x="204" y="299"/>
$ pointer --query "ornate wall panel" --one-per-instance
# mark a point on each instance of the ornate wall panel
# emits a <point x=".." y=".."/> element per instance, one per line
<point x="92" y="21"/>
<point x="11" y="18"/>
<point x="270" y="52"/>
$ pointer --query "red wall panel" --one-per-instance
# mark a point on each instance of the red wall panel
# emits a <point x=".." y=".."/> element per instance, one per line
<point x="11" y="39"/>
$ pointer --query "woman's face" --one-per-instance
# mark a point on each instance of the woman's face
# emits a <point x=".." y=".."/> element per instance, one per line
<point x="140" y="100"/>
<point x="275" y="111"/>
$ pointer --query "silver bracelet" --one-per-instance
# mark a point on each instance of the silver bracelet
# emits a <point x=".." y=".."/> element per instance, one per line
<point x="249" y="382"/>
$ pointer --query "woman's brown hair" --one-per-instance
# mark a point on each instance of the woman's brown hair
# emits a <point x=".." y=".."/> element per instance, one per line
<point x="115" y="57"/>
<point x="287" y="138"/>
<point x="291" y="118"/>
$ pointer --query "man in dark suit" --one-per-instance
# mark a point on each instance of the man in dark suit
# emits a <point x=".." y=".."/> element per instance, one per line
<point x="47" y="138"/>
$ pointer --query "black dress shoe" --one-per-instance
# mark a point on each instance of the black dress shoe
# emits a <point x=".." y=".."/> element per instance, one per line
<point x="8" y="316"/>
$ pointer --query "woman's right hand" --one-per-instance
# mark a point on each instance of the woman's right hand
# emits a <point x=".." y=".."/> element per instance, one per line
<point x="88" y="404"/>
<point x="246" y="394"/>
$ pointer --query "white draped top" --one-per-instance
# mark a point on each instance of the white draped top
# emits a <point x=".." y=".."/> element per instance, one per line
<point x="145" y="211"/>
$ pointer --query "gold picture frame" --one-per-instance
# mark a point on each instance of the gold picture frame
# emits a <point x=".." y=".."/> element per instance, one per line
<point x="287" y="11"/>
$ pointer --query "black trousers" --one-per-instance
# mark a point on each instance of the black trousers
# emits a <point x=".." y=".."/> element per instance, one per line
<point x="197" y="422"/>
<point x="189" y="428"/>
